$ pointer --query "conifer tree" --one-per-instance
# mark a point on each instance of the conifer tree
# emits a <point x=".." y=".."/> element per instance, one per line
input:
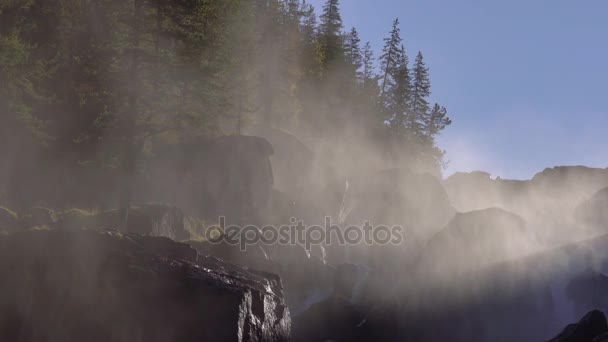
<point x="399" y="95"/>
<point x="367" y="62"/>
<point x="436" y="120"/>
<point x="391" y="53"/>
<point x="352" y="50"/>
<point x="330" y="30"/>
<point x="421" y="90"/>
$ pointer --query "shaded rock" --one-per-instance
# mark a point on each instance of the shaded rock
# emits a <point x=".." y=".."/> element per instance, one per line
<point x="62" y="285"/>
<point x="586" y="330"/>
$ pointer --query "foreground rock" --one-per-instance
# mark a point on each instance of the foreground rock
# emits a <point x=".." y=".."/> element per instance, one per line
<point x="588" y="329"/>
<point x="103" y="286"/>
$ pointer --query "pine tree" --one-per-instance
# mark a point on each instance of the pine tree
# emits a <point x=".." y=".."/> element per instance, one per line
<point x="391" y="54"/>
<point x="330" y="31"/>
<point x="399" y="95"/>
<point x="421" y="90"/>
<point x="367" y="73"/>
<point x="436" y="121"/>
<point x="352" y="51"/>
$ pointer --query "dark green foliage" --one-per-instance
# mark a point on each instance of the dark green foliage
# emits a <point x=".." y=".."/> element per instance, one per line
<point x="89" y="88"/>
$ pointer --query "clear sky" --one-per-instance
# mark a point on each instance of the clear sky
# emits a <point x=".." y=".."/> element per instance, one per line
<point x="523" y="80"/>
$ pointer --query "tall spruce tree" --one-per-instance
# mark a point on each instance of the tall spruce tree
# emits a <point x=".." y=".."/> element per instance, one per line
<point x="421" y="90"/>
<point x="391" y="54"/>
<point x="330" y="30"/>
<point x="352" y="51"/>
<point x="367" y="74"/>
<point x="399" y="95"/>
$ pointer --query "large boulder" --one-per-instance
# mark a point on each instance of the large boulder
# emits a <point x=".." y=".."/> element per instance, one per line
<point x="62" y="285"/>
<point x="415" y="201"/>
<point x="397" y="197"/>
<point x="475" y="240"/>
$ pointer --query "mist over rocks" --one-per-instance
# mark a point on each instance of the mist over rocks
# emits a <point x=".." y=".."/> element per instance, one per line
<point x="548" y="202"/>
<point x="476" y="240"/>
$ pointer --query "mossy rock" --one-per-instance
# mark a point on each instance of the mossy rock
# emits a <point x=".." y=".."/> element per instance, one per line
<point x="38" y="217"/>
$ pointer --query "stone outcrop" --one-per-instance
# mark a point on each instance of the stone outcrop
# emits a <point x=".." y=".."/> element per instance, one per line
<point x="63" y="285"/>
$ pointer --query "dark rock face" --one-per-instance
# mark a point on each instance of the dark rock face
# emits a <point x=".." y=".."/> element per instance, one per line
<point x="229" y="176"/>
<point x="589" y="329"/>
<point x="61" y="285"/>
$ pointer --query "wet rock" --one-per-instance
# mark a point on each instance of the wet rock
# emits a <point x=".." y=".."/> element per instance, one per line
<point x="62" y="285"/>
<point x="590" y="327"/>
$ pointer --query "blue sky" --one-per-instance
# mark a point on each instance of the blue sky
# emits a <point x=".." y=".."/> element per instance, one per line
<point x="523" y="80"/>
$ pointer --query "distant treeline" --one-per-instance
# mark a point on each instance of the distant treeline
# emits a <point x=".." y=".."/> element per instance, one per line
<point x="90" y="83"/>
